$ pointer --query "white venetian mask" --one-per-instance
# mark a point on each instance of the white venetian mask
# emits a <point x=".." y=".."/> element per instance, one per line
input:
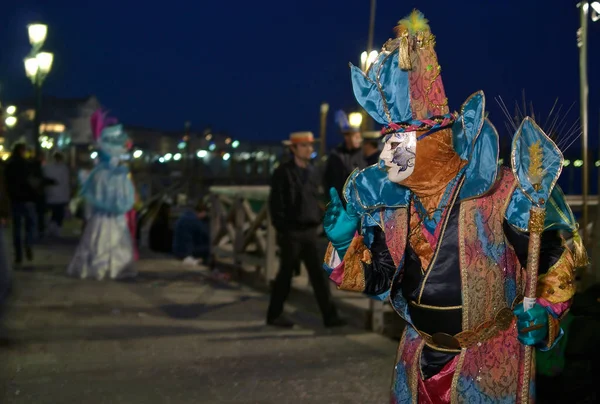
<point x="398" y="155"/>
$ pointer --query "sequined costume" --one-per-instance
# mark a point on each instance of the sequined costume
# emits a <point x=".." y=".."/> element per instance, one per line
<point x="448" y="245"/>
<point x="105" y="249"/>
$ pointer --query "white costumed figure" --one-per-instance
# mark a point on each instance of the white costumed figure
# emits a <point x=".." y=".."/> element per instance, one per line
<point x="105" y="249"/>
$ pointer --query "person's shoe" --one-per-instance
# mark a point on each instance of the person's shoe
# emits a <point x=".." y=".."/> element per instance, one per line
<point x="191" y="261"/>
<point x="335" y="322"/>
<point x="29" y="253"/>
<point x="281" y="321"/>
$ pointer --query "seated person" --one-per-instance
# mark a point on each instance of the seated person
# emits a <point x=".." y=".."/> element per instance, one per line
<point x="191" y="238"/>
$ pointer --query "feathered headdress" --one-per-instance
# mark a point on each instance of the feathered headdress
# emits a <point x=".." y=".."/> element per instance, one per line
<point x="404" y="85"/>
<point x="341" y="120"/>
<point x="413" y="23"/>
<point x="100" y="120"/>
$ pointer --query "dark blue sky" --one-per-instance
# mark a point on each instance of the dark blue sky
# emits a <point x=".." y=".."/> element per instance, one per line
<point x="261" y="69"/>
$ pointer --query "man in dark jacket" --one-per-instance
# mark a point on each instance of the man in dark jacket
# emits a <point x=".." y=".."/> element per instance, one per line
<point x="296" y="216"/>
<point x="370" y="146"/>
<point x="345" y="158"/>
<point x="21" y="183"/>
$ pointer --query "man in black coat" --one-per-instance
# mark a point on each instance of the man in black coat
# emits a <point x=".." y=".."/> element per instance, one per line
<point x="21" y="186"/>
<point x="370" y="146"/>
<point x="296" y="216"/>
<point x="345" y="158"/>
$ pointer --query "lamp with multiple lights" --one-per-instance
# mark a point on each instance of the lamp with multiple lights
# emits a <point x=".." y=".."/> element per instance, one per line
<point x="37" y="67"/>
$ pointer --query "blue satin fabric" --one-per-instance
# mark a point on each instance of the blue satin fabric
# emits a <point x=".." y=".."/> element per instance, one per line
<point x="467" y="126"/>
<point x="558" y="213"/>
<point x="108" y="189"/>
<point x="528" y="134"/>
<point x="475" y="139"/>
<point x="394" y="85"/>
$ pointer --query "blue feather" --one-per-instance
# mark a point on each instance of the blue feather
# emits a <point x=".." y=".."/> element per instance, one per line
<point x="341" y="119"/>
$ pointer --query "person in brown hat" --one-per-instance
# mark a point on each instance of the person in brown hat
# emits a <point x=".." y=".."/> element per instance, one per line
<point x="296" y="216"/>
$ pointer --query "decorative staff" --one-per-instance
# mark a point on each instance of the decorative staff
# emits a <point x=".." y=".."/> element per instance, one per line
<point x="537" y="163"/>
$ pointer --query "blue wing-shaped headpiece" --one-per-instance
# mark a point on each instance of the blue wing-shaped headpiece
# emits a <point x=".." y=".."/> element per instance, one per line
<point x="390" y="100"/>
<point x="536" y="161"/>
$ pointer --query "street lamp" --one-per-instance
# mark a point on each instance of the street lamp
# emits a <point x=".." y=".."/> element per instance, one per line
<point x="367" y="59"/>
<point x="37" y="66"/>
<point x="355" y="119"/>
<point x="10" y="121"/>
<point x="11" y="109"/>
<point x="323" y="145"/>
<point x="583" y="84"/>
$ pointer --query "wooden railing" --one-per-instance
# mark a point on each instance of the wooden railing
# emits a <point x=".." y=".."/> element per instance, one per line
<point x="242" y="235"/>
<point x="241" y="230"/>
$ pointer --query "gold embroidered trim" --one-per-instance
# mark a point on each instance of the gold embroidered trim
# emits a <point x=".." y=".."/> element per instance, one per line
<point x="463" y="265"/>
<point x="553" y="330"/>
<point x="466" y="339"/>
<point x="416" y="372"/>
<point x="398" y="356"/>
<point x="558" y="284"/>
<point x="441" y="237"/>
<point x="454" y="388"/>
<point x="354" y="273"/>
<point x="329" y="254"/>
<point x="427" y="306"/>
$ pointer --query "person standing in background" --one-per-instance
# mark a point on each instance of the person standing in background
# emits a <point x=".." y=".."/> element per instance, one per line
<point x="370" y="146"/>
<point x="58" y="194"/>
<point x="105" y="248"/>
<point x="39" y="183"/>
<point x="5" y="270"/>
<point x="346" y="157"/>
<point x="296" y="216"/>
<point x="21" y="182"/>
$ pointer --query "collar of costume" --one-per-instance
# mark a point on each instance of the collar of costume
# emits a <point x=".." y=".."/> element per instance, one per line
<point x="475" y="140"/>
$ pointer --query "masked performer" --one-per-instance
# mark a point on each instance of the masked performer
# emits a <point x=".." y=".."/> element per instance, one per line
<point x="442" y="231"/>
<point x="105" y="249"/>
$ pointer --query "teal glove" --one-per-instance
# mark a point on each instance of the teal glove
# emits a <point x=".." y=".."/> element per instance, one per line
<point x="535" y="316"/>
<point x="340" y="224"/>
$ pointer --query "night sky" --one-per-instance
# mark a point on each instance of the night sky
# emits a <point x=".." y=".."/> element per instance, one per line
<point x="259" y="70"/>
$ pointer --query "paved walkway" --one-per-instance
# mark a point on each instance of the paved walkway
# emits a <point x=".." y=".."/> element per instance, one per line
<point x="174" y="336"/>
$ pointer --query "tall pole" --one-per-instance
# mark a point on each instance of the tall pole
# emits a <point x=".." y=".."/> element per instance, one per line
<point x="371" y="26"/>
<point x="583" y="83"/>
<point x="596" y="249"/>
<point x="37" y="84"/>
<point x="323" y="130"/>
<point x="369" y="123"/>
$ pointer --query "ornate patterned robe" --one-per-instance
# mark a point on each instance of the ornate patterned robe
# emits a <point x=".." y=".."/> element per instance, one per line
<point x="458" y="306"/>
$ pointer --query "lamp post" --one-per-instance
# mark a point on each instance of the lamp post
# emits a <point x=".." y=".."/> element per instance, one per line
<point x="37" y="66"/>
<point x="584" y="8"/>
<point x="323" y="134"/>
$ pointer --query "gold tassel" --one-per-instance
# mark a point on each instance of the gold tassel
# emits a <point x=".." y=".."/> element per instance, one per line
<point x="579" y="254"/>
<point x="403" y="53"/>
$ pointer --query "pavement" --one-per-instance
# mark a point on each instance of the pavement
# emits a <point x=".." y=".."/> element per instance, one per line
<point x="174" y="335"/>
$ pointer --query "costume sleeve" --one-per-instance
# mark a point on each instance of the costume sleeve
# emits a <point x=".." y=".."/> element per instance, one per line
<point x="556" y="275"/>
<point x="276" y="200"/>
<point x="368" y="269"/>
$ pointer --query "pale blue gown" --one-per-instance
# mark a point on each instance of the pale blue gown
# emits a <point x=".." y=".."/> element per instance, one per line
<point x="105" y="249"/>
